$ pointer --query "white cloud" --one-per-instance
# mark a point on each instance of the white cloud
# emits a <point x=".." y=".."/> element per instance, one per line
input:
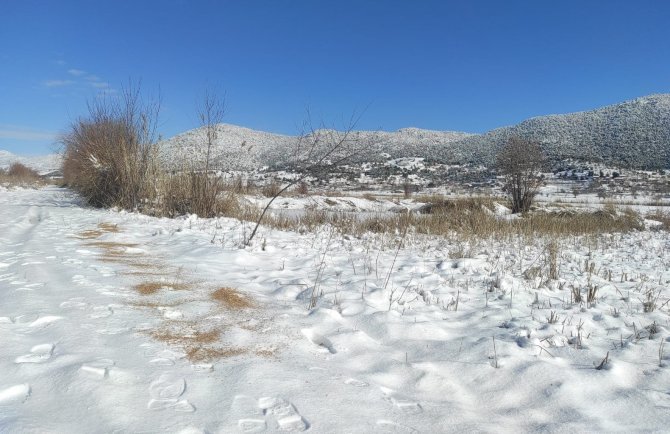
<point x="18" y="133"/>
<point x="57" y="83"/>
<point x="92" y="77"/>
<point x="100" y="84"/>
<point x="76" y="72"/>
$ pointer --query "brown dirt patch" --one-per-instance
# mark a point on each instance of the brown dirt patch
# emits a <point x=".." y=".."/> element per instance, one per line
<point x="231" y="298"/>
<point x="198" y="345"/>
<point x="148" y="288"/>
<point x="205" y="354"/>
<point x="109" y="227"/>
<point x="102" y="229"/>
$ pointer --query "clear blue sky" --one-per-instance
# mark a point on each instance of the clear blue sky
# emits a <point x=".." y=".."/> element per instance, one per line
<point x="445" y="65"/>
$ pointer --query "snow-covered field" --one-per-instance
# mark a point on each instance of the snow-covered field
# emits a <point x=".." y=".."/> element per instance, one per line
<point x="119" y="322"/>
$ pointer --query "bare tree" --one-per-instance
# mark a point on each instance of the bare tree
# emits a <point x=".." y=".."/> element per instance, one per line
<point x="210" y="114"/>
<point x="315" y="153"/>
<point x="521" y="161"/>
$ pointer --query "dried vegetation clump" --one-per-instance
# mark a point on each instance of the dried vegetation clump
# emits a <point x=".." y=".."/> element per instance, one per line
<point x="230" y="298"/>
<point x="199" y="345"/>
<point x="18" y="174"/>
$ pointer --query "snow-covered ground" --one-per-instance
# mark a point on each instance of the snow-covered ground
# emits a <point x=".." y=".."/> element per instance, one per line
<point x="117" y="322"/>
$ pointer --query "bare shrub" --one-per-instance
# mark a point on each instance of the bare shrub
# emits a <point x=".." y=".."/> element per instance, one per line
<point x="302" y="188"/>
<point x="191" y="192"/>
<point x="521" y="161"/>
<point x="271" y="188"/>
<point x="22" y="172"/>
<point x="19" y="174"/>
<point x="205" y="187"/>
<point x="109" y="156"/>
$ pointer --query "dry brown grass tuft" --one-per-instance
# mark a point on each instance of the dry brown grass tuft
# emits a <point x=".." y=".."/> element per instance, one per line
<point x="109" y="227"/>
<point x="662" y="217"/>
<point x="207" y="354"/>
<point x="469" y="217"/>
<point x="199" y="345"/>
<point x="148" y="288"/>
<point x="268" y="354"/>
<point x="231" y="298"/>
<point x="103" y="228"/>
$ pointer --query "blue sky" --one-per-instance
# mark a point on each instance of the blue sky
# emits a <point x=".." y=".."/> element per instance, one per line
<point x="444" y="65"/>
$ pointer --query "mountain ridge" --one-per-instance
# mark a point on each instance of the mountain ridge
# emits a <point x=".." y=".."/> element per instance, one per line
<point x="633" y="133"/>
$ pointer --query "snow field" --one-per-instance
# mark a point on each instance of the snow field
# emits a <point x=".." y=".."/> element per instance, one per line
<point x="400" y="339"/>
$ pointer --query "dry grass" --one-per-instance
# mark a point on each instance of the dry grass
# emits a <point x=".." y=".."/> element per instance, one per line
<point x="102" y="229"/>
<point x="206" y="354"/>
<point x="111" y="247"/>
<point x="231" y="298"/>
<point x="268" y="354"/>
<point x="472" y="217"/>
<point x="663" y="217"/>
<point x="148" y="288"/>
<point x="199" y="345"/>
<point x="109" y="227"/>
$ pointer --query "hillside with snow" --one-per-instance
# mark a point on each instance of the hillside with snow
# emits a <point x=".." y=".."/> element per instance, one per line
<point x="632" y="134"/>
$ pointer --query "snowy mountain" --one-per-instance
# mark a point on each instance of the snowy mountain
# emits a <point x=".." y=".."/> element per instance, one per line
<point x="42" y="163"/>
<point x="239" y="148"/>
<point x="634" y="134"/>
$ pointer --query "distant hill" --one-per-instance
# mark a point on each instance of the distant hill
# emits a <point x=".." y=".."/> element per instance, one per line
<point x="632" y="134"/>
<point x="239" y="148"/>
<point x="44" y="164"/>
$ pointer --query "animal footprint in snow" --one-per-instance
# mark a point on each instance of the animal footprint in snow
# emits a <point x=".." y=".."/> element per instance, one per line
<point x="404" y="405"/>
<point x="285" y="414"/>
<point x="38" y="354"/>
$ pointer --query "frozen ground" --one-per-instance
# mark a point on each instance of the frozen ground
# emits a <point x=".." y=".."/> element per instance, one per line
<point x="108" y="324"/>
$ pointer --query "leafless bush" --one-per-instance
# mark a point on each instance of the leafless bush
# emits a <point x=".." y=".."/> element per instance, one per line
<point x="109" y="156"/>
<point x="302" y="188"/>
<point x="19" y="174"/>
<point x="271" y="188"/>
<point x="520" y="162"/>
<point x="22" y="172"/>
